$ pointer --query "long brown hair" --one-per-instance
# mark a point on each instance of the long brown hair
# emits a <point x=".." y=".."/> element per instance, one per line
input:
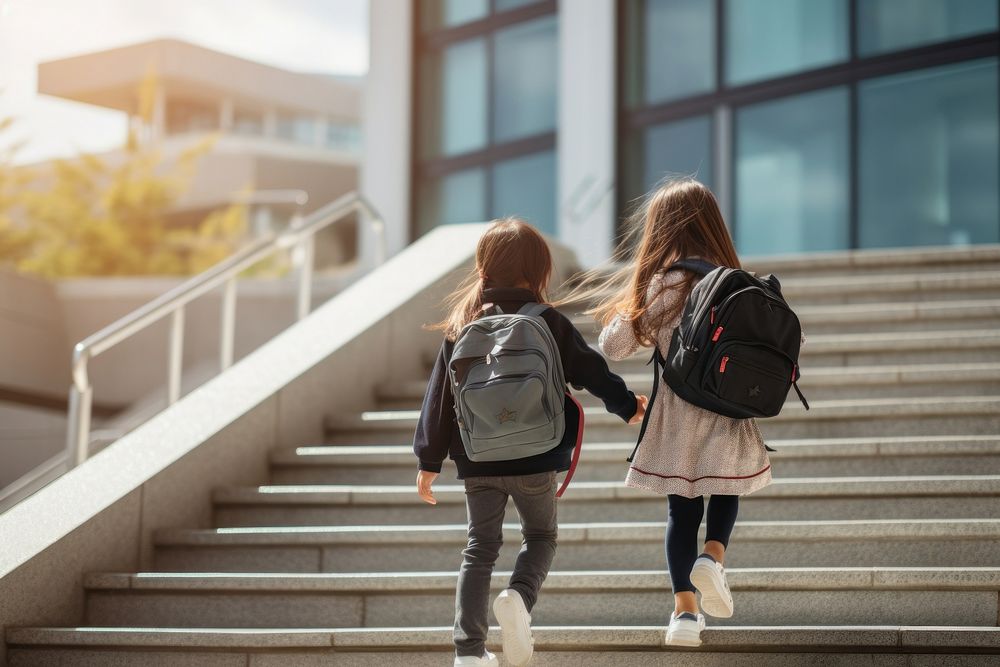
<point x="679" y="218"/>
<point x="511" y="253"/>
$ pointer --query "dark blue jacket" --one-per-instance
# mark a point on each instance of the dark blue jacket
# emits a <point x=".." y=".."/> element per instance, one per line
<point x="437" y="433"/>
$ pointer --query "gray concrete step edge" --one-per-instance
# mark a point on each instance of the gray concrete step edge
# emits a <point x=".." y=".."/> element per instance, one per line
<point x="743" y="579"/>
<point x="768" y="638"/>
<point x="817" y="487"/>
<point x="822" y="376"/>
<point x="892" y="311"/>
<point x="636" y="531"/>
<point x="866" y="408"/>
<point x="615" y="452"/>
<point x="880" y="341"/>
<point x="892" y="283"/>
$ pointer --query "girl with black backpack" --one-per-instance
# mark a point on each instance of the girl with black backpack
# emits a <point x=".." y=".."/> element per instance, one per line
<point x="685" y="452"/>
<point x="510" y="279"/>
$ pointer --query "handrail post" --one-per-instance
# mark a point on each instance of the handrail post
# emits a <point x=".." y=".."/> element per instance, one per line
<point x="378" y="231"/>
<point x="303" y="254"/>
<point x="78" y="434"/>
<point x="176" y="356"/>
<point x="227" y="329"/>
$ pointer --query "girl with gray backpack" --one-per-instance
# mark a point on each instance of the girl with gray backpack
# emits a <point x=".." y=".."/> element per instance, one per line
<point x="497" y="404"/>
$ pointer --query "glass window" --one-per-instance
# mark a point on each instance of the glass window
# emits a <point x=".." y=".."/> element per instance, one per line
<point x="343" y="136"/>
<point x="681" y="148"/>
<point x="455" y="198"/>
<point x="792" y="174"/>
<point x="449" y="13"/>
<point x="526" y="187"/>
<point x="928" y="157"/>
<point x="300" y="129"/>
<point x="506" y="5"/>
<point x="890" y="25"/>
<point x="525" y="79"/>
<point x="769" y="38"/>
<point x="453" y="100"/>
<point x="678" y="49"/>
<point x="248" y="123"/>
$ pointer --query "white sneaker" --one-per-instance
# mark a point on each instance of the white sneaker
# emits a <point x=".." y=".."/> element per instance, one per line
<point x="710" y="579"/>
<point x="685" y="629"/>
<point x="515" y="627"/>
<point x="488" y="660"/>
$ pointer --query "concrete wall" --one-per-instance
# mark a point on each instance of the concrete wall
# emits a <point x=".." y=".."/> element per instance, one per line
<point x="101" y="515"/>
<point x="385" y="167"/>
<point x="34" y="349"/>
<point x="586" y="133"/>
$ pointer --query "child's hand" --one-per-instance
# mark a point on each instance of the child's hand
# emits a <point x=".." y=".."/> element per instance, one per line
<point x="641" y="402"/>
<point x="424" y="481"/>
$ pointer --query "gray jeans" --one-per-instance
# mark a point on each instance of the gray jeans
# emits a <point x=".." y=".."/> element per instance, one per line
<point x="534" y="497"/>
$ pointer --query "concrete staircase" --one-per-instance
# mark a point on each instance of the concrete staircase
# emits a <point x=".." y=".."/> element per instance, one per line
<point x="878" y="543"/>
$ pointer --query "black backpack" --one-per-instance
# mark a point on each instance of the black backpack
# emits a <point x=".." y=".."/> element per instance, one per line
<point x="736" y="349"/>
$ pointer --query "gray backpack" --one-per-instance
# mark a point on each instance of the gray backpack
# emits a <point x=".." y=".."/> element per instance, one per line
<point x="507" y="379"/>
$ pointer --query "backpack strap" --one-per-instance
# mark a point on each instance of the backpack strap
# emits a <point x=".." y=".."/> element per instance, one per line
<point x="699" y="266"/>
<point x="533" y="309"/>
<point x="576" y="449"/>
<point x="658" y="362"/>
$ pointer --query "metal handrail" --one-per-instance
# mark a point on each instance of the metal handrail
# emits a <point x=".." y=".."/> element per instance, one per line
<point x="299" y="238"/>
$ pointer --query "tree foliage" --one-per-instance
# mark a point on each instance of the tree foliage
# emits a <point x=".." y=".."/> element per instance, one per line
<point x="105" y="216"/>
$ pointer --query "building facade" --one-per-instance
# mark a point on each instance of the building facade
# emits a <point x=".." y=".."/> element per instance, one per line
<point x="820" y="124"/>
<point x="272" y="129"/>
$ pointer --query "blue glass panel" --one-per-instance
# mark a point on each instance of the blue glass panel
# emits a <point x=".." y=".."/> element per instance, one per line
<point x="679" y="49"/>
<point x="890" y="25"/>
<point x="525" y="83"/>
<point x="928" y="157"/>
<point x="770" y="38"/>
<point x="792" y="174"/>
<point x="526" y="187"/>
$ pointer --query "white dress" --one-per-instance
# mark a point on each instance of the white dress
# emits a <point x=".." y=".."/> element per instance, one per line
<point x="687" y="450"/>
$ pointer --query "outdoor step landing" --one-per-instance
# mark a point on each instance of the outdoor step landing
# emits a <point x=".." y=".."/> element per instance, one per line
<point x="582" y="546"/>
<point x="966" y="415"/>
<point x="779" y="596"/>
<point x="870" y="348"/>
<point x="916" y="455"/>
<point x="885" y="378"/>
<point x="379" y="642"/>
<point x="829" y="498"/>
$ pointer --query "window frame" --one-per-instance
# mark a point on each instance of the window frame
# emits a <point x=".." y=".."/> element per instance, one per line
<point x="424" y="41"/>
<point x="851" y="72"/>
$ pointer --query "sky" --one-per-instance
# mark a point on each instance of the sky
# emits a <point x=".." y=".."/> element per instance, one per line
<point x="322" y="36"/>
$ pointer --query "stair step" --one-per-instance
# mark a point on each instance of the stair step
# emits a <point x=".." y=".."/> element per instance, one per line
<point x="875" y="348"/>
<point x="827" y="498"/>
<point x="818" y="383"/>
<point x="878" y="261"/>
<point x="875" y="317"/>
<point x="915" y="455"/>
<point x="768" y="596"/>
<point x="581" y="645"/>
<point x="971" y="415"/>
<point x="582" y="546"/>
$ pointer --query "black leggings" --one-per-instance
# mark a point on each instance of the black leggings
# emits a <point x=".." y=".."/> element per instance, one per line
<point x="684" y="518"/>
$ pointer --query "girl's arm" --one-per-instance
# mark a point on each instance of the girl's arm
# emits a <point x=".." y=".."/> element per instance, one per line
<point x="617" y="340"/>
<point x="437" y="417"/>
<point x="585" y="367"/>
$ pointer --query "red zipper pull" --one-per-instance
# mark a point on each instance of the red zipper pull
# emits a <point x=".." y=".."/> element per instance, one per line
<point x="718" y="332"/>
<point x="711" y="316"/>
<point x="722" y="366"/>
